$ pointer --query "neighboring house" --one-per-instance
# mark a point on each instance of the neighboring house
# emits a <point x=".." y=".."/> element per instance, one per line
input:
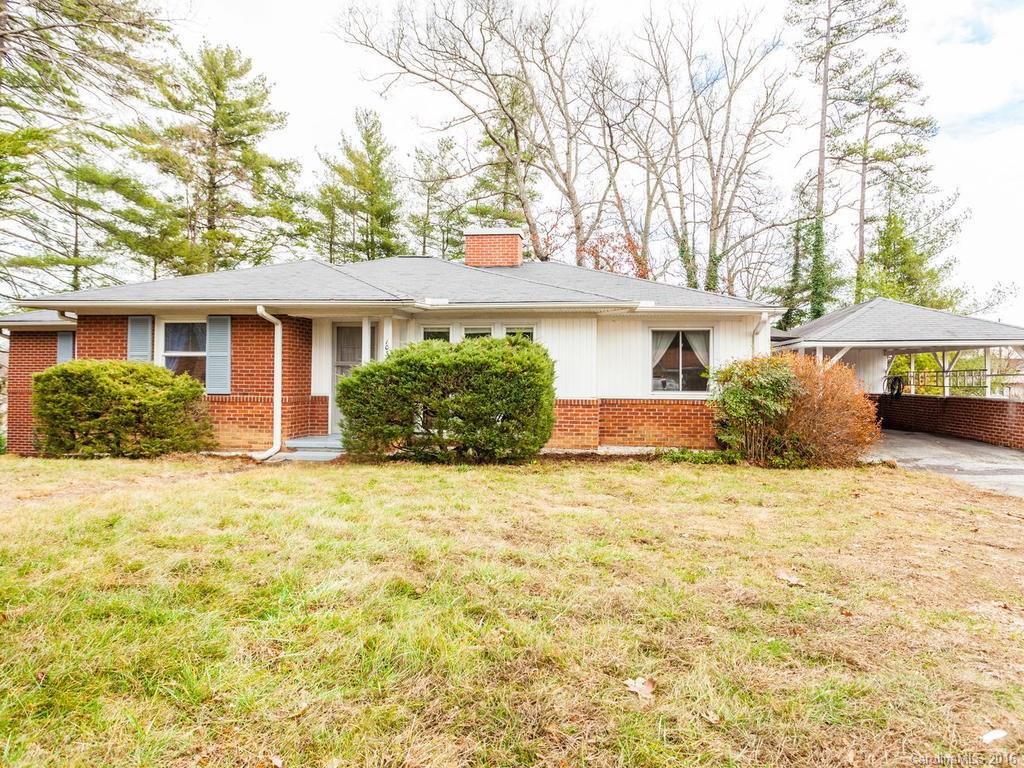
<point x="631" y="355"/>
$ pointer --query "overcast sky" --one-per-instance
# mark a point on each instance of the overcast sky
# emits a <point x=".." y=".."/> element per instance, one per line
<point x="969" y="53"/>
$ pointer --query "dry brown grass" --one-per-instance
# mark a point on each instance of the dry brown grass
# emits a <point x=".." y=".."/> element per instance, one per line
<point x="202" y="612"/>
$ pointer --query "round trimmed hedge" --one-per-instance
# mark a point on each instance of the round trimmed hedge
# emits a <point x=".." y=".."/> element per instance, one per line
<point x="479" y="401"/>
<point x="92" y="408"/>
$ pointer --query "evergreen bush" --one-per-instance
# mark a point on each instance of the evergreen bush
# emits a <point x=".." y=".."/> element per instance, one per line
<point x="481" y="400"/>
<point x="91" y="408"/>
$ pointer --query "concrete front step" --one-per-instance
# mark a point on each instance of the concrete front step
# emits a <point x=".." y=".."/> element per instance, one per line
<point x="305" y="456"/>
<point x="315" y="443"/>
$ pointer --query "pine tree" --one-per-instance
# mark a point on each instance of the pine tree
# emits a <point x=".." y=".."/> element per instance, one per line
<point x="495" y="197"/>
<point x="906" y="262"/>
<point x="888" y="147"/>
<point x="439" y="216"/>
<point x="831" y="30"/>
<point x="364" y="199"/>
<point x="235" y="201"/>
<point x="63" y="65"/>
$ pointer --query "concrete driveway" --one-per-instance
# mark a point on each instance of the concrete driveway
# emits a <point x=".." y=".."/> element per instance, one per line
<point x="986" y="466"/>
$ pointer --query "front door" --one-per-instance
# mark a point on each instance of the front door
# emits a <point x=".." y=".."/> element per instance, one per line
<point x="348" y="353"/>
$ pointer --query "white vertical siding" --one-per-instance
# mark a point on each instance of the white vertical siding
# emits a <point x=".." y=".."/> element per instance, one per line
<point x="572" y="344"/>
<point x="623" y="357"/>
<point x="595" y="356"/>
<point x="323" y="365"/>
<point x="869" y="365"/>
<point x="624" y="347"/>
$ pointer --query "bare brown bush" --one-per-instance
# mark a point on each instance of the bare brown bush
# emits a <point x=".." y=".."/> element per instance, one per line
<point x="831" y="420"/>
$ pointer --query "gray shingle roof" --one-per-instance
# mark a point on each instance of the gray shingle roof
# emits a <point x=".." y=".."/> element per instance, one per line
<point x="887" y="320"/>
<point x="406" y="280"/>
<point x="622" y="287"/>
<point x="34" y="318"/>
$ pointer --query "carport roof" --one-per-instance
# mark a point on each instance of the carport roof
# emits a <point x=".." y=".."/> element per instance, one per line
<point x="896" y="324"/>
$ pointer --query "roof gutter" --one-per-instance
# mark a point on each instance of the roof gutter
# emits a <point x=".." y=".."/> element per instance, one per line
<point x="278" y="382"/>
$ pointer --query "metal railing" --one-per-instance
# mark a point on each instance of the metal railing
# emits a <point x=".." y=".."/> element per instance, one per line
<point x="973" y="382"/>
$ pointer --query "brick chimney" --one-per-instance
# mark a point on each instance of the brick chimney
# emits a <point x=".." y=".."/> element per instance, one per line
<point x="494" y="247"/>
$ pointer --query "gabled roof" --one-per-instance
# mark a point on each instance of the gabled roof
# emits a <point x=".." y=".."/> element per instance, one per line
<point x="881" y="321"/>
<point x="38" y="319"/>
<point x="406" y="280"/>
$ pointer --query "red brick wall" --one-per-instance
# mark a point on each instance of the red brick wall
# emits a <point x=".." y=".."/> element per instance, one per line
<point x="504" y="250"/>
<point x="30" y="352"/>
<point x="577" y="425"/>
<point x="658" y="423"/>
<point x="646" y="423"/>
<point x="1000" y="422"/>
<point x="102" y="337"/>
<point x="242" y="420"/>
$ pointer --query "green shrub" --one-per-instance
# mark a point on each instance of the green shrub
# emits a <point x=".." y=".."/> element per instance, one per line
<point x="92" y="408"/>
<point x="751" y="400"/>
<point x="481" y="400"/>
<point x="690" y="456"/>
<point x="788" y="410"/>
<point x="3" y="444"/>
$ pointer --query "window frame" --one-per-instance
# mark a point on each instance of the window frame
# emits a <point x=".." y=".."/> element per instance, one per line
<point x="679" y="394"/>
<point x="478" y="332"/>
<point x="431" y="328"/>
<point x="160" y="351"/>
<point x="511" y="330"/>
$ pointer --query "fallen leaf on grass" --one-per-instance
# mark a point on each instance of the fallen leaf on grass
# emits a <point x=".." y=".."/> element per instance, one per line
<point x="790" y="579"/>
<point x="846" y="612"/>
<point x="276" y="761"/>
<point x="994" y="735"/>
<point x="712" y="718"/>
<point x="643" y="687"/>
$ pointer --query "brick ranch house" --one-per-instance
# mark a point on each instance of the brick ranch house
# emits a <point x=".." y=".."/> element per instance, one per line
<point x="270" y="342"/>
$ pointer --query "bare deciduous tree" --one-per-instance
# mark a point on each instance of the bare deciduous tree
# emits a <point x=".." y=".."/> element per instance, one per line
<point x="741" y="109"/>
<point x="491" y="56"/>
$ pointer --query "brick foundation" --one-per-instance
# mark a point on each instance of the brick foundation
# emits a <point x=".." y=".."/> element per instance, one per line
<point x="999" y="422"/>
<point x="636" y="423"/>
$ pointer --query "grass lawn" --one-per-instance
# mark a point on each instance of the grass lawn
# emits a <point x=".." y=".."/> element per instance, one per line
<point x="216" y="613"/>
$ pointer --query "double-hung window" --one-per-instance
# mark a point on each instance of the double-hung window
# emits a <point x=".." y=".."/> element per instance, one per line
<point x="526" y="331"/>
<point x="437" y="333"/>
<point x="679" y="360"/>
<point x="185" y="349"/>
<point x="477" y="332"/>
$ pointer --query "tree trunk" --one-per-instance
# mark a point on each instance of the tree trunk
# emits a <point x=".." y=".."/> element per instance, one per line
<point x="858" y="288"/>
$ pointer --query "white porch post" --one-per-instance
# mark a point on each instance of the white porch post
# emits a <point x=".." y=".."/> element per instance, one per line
<point x="819" y="353"/>
<point x="387" y="342"/>
<point x="945" y="376"/>
<point x="367" y="330"/>
<point x="913" y="377"/>
<point x="988" y="371"/>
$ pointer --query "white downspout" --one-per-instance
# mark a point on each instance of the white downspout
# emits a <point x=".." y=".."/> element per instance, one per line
<point x="278" y="387"/>
<point x="761" y="323"/>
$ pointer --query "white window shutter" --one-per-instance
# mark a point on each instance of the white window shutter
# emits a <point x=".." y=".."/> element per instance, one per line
<point x="218" y="355"/>
<point x="65" y="346"/>
<point x="140" y="338"/>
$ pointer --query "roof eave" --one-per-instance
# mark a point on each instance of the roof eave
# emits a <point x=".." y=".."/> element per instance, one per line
<point x="904" y="343"/>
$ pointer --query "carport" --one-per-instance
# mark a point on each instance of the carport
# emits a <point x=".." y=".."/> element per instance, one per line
<point x="882" y="339"/>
